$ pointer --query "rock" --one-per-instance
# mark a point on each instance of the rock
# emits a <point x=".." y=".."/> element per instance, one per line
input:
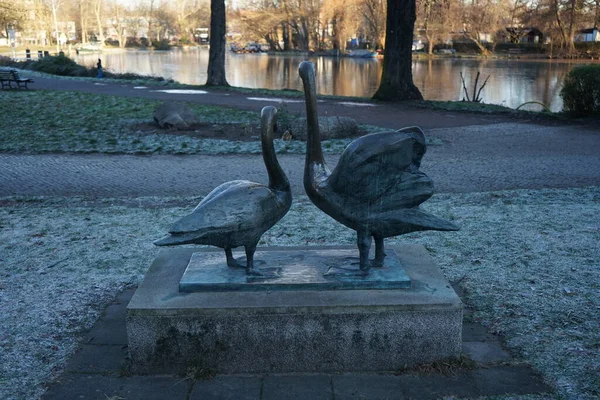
<point x="330" y="127"/>
<point x="174" y="115"/>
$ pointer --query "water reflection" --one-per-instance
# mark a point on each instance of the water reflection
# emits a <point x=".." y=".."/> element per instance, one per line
<point x="511" y="82"/>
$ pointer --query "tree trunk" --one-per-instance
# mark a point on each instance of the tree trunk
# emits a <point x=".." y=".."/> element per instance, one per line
<point x="55" y="19"/>
<point x="285" y="29"/>
<point x="83" y="21"/>
<point x="396" y="79"/>
<point x="98" y="12"/>
<point x="216" y="54"/>
<point x="571" y="31"/>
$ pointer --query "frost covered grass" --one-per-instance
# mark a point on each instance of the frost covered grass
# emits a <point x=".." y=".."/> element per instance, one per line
<point x="527" y="261"/>
<point x="76" y="122"/>
<point x="46" y="121"/>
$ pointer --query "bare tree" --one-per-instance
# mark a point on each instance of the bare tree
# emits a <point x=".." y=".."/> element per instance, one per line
<point x="12" y="15"/>
<point x="83" y="13"/>
<point x="396" y="79"/>
<point x="344" y="17"/>
<point x="373" y="12"/>
<point x="481" y="21"/>
<point x="119" y="22"/>
<point x="260" y="22"/>
<point x="54" y="6"/>
<point x="164" y="22"/>
<point x="567" y="14"/>
<point x="98" y="13"/>
<point x="433" y="16"/>
<point x="216" y="55"/>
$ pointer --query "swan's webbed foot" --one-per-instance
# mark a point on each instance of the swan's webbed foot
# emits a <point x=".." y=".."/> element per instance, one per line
<point x="232" y="262"/>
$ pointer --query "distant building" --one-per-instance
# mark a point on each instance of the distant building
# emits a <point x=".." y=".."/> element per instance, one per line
<point x="201" y="35"/>
<point x="588" y="35"/>
<point x="522" y="35"/>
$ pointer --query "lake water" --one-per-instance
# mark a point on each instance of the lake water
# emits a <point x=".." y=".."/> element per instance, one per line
<point x="511" y="82"/>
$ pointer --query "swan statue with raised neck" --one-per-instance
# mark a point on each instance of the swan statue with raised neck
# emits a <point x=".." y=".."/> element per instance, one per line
<point x="376" y="187"/>
<point x="237" y="213"/>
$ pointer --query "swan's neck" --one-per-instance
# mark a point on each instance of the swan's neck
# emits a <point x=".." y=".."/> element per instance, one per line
<point x="315" y="164"/>
<point x="277" y="178"/>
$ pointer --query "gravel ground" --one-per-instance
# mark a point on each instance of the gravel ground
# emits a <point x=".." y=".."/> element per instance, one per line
<point x="527" y="260"/>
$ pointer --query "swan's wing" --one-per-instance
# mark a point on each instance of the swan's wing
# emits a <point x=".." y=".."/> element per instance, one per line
<point x="383" y="167"/>
<point x="238" y="206"/>
<point x="231" y="185"/>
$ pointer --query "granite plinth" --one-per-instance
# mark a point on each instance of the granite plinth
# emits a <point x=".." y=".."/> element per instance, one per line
<point x="292" y="330"/>
<point x="305" y="269"/>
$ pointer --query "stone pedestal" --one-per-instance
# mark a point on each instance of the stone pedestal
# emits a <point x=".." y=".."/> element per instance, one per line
<point x="304" y="329"/>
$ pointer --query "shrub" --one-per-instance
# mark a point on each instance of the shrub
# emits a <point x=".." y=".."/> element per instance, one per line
<point x="5" y="61"/>
<point x="162" y="44"/>
<point x="59" y="65"/>
<point x="581" y="90"/>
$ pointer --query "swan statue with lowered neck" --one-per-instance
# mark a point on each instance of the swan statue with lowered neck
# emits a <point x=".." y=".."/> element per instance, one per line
<point x="237" y="213"/>
<point x="376" y="187"/>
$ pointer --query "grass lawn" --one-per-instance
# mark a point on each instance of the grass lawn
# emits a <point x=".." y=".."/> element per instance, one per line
<point x="75" y="122"/>
<point x="526" y="259"/>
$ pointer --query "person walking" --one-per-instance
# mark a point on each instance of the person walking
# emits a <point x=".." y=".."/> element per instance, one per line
<point x="99" y="65"/>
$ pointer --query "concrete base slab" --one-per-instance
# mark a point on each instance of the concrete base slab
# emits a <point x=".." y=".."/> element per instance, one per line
<point x="293" y="330"/>
<point x="305" y="269"/>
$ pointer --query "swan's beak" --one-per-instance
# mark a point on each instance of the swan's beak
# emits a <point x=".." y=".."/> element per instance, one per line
<point x="267" y="118"/>
<point x="306" y="69"/>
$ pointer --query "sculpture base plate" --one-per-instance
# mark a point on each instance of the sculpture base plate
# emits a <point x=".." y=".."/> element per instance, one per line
<point x="281" y="331"/>
<point x="306" y="269"/>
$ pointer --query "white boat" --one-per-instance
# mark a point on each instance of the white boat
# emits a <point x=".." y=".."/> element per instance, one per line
<point x="362" y="53"/>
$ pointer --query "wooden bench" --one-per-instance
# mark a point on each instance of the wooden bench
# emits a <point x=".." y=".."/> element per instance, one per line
<point x="8" y="76"/>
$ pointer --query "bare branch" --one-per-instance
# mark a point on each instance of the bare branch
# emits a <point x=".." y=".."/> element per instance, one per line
<point x="478" y="99"/>
<point x="464" y="86"/>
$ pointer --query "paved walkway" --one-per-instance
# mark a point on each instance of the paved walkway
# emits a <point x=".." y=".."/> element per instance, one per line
<point x="491" y="157"/>
<point x="99" y="371"/>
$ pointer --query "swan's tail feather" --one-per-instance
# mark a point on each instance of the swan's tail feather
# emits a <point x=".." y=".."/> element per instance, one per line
<point x="417" y="220"/>
<point x="178" y="239"/>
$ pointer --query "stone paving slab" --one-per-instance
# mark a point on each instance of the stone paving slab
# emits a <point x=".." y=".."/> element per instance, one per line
<point x="84" y="386"/>
<point x="100" y="387"/>
<point x="514" y="379"/>
<point x="227" y="388"/>
<point x="485" y="352"/>
<point x="298" y="387"/>
<point x="155" y="388"/>
<point x="368" y="386"/>
<point x="94" y="359"/>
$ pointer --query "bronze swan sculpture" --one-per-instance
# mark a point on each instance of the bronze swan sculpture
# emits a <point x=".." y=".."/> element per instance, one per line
<point x="376" y="187"/>
<point x="237" y="213"/>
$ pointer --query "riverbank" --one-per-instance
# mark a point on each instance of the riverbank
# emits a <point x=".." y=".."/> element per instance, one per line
<point x="512" y="82"/>
<point x="583" y="51"/>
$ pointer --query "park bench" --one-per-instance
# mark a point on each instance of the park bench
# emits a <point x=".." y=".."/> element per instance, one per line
<point x="8" y="76"/>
